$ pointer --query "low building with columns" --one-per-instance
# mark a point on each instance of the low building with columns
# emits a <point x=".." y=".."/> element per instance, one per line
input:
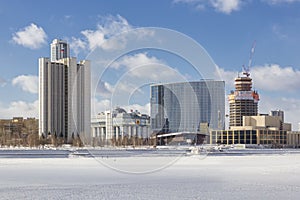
<point x="120" y="127"/>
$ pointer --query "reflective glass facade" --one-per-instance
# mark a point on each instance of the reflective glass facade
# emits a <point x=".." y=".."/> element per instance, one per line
<point x="178" y="107"/>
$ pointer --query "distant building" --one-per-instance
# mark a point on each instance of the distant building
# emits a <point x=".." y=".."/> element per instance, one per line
<point x="119" y="125"/>
<point x="184" y="138"/>
<point x="182" y="107"/>
<point x="258" y="130"/>
<point x="17" y="130"/>
<point x="249" y="137"/>
<point x="277" y="113"/>
<point x="293" y="139"/>
<point x="181" y="138"/>
<point x="19" y="125"/>
<point x="243" y="101"/>
<point x="250" y="128"/>
<point x="64" y="94"/>
<point x="266" y="122"/>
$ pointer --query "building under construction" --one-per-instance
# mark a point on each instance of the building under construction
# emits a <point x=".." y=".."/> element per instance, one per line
<point x="248" y="127"/>
<point x="243" y="101"/>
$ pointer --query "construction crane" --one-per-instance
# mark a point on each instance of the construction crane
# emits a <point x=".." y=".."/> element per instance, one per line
<point x="247" y="69"/>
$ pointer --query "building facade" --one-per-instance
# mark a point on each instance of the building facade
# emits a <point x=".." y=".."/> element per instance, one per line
<point x="18" y="131"/>
<point x="271" y="138"/>
<point x="266" y="122"/>
<point x="248" y="127"/>
<point x="277" y="113"/>
<point x="182" y="107"/>
<point x="59" y="49"/>
<point x="293" y="139"/>
<point x="64" y="94"/>
<point x="119" y="125"/>
<point x="243" y="101"/>
<point x="265" y="130"/>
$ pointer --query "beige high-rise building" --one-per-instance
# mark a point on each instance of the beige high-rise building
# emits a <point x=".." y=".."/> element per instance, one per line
<point x="64" y="94"/>
<point x="243" y="101"/>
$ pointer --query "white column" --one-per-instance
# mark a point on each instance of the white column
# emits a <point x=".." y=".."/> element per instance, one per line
<point x="134" y="131"/>
<point x="94" y="131"/>
<point x="139" y="131"/>
<point x="98" y="131"/>
<point x="129" y="131"/>
<point x="102" y="133"/>
<point x="117" y="132"/>
<point x="109" y="126"/>
<point x="122" y="131"/>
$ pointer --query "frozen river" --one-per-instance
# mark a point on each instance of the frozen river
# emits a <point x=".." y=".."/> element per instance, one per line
<point x="262" y="176"/>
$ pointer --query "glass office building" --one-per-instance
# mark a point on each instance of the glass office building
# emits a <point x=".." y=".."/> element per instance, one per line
<point x="181" y="107"/>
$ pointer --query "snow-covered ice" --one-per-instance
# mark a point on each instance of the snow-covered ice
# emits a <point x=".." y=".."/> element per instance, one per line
<point x="273" y="176"/>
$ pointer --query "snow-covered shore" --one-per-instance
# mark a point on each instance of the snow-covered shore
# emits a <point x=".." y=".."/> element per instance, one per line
<point x="272" y="176"/>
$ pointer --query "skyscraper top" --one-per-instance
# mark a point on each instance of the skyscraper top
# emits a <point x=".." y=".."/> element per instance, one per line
<point x="59" y="49"/>
<point x="243" y="83"/>
<point x="243" y="101"/>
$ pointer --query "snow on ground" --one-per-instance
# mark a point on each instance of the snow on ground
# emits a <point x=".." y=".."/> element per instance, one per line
<point x="187" y="177"/>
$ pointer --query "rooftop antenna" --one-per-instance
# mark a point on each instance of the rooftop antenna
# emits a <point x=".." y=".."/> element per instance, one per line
<point x="247" y="69"/>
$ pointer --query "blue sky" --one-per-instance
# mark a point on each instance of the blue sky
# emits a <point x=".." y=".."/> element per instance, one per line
<point x="226" y="29"/>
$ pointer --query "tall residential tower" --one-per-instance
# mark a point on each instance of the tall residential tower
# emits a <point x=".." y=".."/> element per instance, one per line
<point x="64" y="94"/>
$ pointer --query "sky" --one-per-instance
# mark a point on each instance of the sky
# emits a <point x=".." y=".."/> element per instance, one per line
<point x="225" y="30"/>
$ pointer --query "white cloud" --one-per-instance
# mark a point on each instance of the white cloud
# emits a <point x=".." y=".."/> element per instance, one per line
<point x="102" y="36"/>
<point x="19" y="109"/>
<point x="146" y="67"/>
<point x="104" y="89"/>
<point x="132" y="61"/>
<point x="77" y="45"/>
<point x="290" y="106"/>
<point x="28" y="83"/>
<point x="268" y="77"/>
<point x="132" y="76"/>
<point x="110" y="26"/>
<point x="105" y="105"/>
<point x="276" y="78"/>
<point x="31" y="36"/>
<point x="223" y="6"/>
<point x="143" y="109"/>
<point x="227" y="76"/>
<point x="99" y="106"/>
<point x="94" y="38"/>
<point x="226" y="6"/>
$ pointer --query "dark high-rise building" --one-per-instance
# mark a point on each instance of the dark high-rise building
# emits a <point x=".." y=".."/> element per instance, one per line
<point x="178" y="107"/>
